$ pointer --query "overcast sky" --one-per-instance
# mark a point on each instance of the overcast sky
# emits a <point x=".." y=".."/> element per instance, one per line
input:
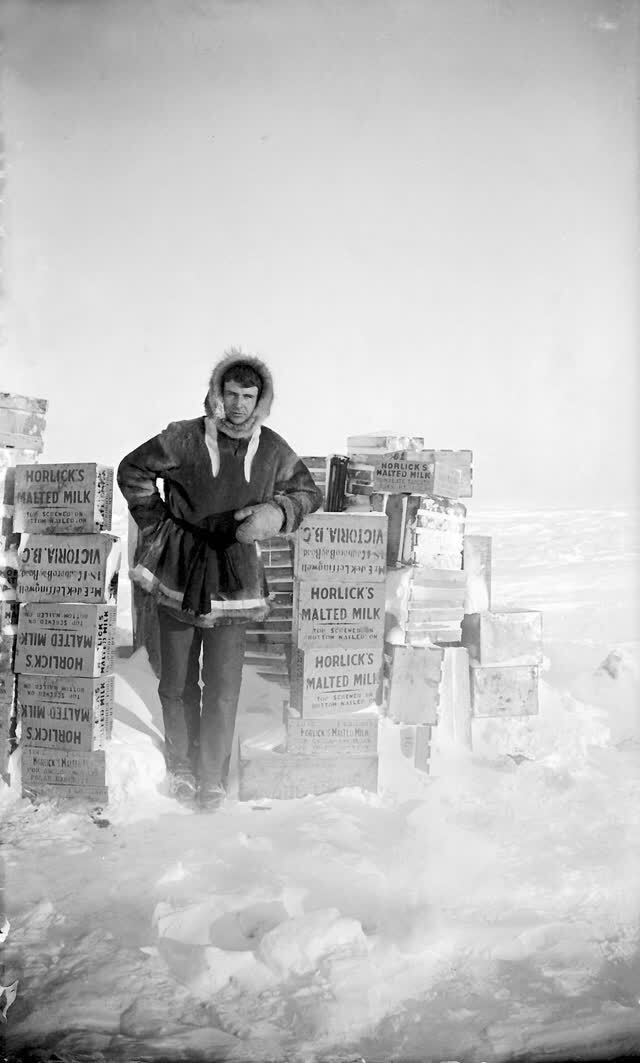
<point x="422" y="213"/>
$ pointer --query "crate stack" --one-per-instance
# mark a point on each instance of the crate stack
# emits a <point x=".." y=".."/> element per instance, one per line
<point x="338" y="631"/>
<point x="22" y="424"/>
<point x="505" y="655"/>
<point x="68" y="564"/>
<point x="364" y="453"/>
<point x="420" y="490"/>
<point x="268" y="647"/>
<point x="269" y="641"/>
<point x="450" y="657"/>
<point x="318" y="466"/>
<point x="504" y="645"/>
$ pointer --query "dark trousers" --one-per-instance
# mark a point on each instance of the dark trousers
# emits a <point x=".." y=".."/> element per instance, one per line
<point x="199" y="721"/>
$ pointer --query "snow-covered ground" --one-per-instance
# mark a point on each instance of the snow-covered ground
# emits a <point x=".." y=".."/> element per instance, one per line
<point x="489" y="912"/>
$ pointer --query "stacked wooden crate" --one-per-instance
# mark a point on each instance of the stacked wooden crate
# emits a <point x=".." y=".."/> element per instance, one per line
<point x="420" y="490"/>
<point x="365" y="452"/>
<point x="412" y="691"/>
<point x="505" y="654"/>
<point x="338" y="614"/>
<point x="67" y="585"/>
<point x="22" y="424"/>
<point x="269" y="642"/>
<point x="504" y="645"/>
<point x="318" y="467"/>
<point x="477" y="553"/>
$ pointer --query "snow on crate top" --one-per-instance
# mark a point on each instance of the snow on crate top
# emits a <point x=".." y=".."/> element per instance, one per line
<point x="384" y="441"/>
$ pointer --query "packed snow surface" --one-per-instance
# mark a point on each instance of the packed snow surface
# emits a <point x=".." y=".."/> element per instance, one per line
<point x="488" y="912"/>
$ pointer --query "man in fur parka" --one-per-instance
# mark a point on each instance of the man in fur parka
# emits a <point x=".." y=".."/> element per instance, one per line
<point x="228" y="483"/>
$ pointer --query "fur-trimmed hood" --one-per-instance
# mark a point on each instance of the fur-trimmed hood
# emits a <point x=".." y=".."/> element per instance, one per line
<point x="214" y="406"/>
<point x="215" y="420"/>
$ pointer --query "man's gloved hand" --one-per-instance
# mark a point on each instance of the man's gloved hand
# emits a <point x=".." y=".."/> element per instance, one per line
<point x="258" y="522"/>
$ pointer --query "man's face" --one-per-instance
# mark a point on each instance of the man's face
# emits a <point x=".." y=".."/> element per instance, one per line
<point x="239" y="402"/>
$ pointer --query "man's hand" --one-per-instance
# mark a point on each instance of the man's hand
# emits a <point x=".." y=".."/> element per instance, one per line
<point x="258" y="522"/>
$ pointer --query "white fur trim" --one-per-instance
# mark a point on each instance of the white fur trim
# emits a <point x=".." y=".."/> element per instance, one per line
<point x="254" y="442"/>
<point x="213" y="401"/>
<point x="211" y="439"/>
<point x="145" y="578"/>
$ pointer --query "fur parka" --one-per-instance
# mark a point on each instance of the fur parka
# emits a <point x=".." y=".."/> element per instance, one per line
<point x="189" y="557"/>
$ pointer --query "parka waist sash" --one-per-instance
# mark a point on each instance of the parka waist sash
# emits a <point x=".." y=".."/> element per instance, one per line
<point x="218" y="533"/>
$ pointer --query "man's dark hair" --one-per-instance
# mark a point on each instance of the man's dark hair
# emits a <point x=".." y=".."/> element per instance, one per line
<point x="244" y="375"/>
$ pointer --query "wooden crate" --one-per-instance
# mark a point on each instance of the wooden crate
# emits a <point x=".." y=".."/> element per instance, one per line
<point x="65" y="638"/>
<point x="64" y="498"/>
<point x="283" y="776"/>
<point x="22" y="422"/>
<point x="332" y="613"/>
<point x="65" y="712"/>
<point x="341" y="547"/>
<point x="504" y="690"/>
<point x="55" y="767"/>
<point x="333" y="736"/>
<point x="414" y="677"/>
<point x="57" y="568"/>
<point x="510" y="636"/>
<point x="335" y="680"/>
